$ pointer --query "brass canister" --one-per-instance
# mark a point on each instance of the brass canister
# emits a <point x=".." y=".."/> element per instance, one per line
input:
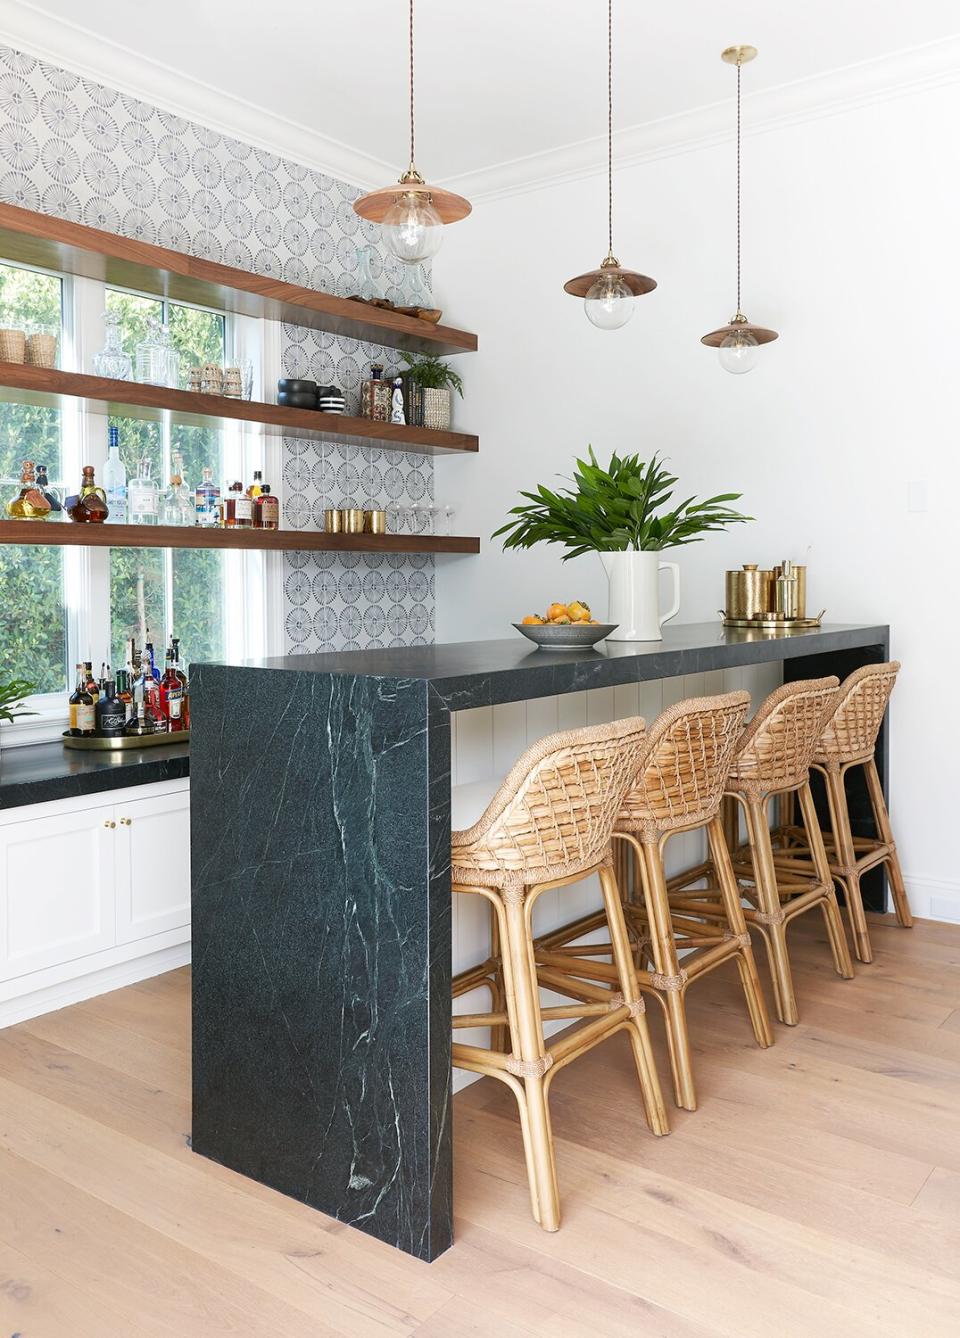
<point x="375" y="522"/>
<point x="801" y="573"/>
<point x="787" y="591"/>
<point x="332" y="520"/>
<point x="744" y="592"/>
<point x="352" y="520"/>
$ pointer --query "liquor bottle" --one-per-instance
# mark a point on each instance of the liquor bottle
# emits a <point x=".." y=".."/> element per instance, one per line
<point x="143" y="496"/>
<point x="74" y="703"/>
<point x="89" y="506"/>
<point x="236" y="508"/>
<point x="150" y="661"/>
<point x="50" y="494"/>
<point x="86" y="715"/>
<point x="268" y="510"/>
<point x="207" y="500"/>
<point x="177" y="505"/>
<point x="171" y="696"/>
<point x="111" y="712"/>
<point x="125" y="693"/>
<point x="140" y="724"/>
<point x="29" y="502"/>
<point x="115" y="479"/>
<point x="184" y="683"/>
<point x="104" y="675"/>
<point x="90" y="683"/>
<point x="256" y="487"/>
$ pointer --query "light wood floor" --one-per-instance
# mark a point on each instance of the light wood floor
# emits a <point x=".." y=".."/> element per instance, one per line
<point x="816" y="1191"/>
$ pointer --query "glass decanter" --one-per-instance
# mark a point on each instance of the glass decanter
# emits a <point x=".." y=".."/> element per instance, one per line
<point x="170" y="359"/>
<point x="111" y="360"/>
<point x="177" y="505"/>
<point x="28" y="503"/>
<point x="152" y="356"/>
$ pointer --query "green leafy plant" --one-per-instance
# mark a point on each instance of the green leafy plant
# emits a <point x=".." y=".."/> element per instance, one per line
<point x="12" y="694"/>
<point x="628" y="505"/>
<point x="429" y="370"/>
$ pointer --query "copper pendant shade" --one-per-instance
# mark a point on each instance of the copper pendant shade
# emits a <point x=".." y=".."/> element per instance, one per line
<point x="738" y="328"/>
<point x="375" y="204"/>
<point x="610" y="270"/>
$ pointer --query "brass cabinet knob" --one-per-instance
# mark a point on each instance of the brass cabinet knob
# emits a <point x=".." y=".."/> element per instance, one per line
<point x="125" y="822"/>
<point x="108" y="823"/>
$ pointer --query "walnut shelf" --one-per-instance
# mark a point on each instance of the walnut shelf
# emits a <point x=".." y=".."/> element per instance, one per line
<point x="73" y="248"/>
<point x="52" y="532"/>
<point x="47" y="386"/>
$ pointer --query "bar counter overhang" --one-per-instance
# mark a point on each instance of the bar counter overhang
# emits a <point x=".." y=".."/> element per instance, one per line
<point x="320" y="844"/>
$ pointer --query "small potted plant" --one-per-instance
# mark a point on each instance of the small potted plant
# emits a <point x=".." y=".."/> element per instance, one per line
<point x="625" y="514"/>
<point x="12" y="694"/>
<point x="437" y="379"/>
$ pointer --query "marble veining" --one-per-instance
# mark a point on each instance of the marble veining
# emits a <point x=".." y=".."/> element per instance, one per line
<point x="43" y="772"/>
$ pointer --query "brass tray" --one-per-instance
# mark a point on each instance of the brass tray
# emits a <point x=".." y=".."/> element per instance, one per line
<point x="90" y="743"/>
<point x="772" y="624"/>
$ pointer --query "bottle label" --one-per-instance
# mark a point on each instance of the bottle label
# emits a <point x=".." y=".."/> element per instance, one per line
<point x="112" y="722"/>
<point x="208" y="510"/>
<point x="269" y="512"/>
<point x="73" y="716"/>
<point x="243" y="510"/>
<point x="86" y="718"/>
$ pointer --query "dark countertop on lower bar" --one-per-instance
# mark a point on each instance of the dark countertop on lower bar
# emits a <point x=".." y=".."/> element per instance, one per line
<point x="44" y="771"/>
<point x="467" y="674"/>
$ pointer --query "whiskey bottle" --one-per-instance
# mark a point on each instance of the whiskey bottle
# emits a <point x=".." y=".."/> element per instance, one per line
<point x="268" y="510"/>
<point x="29" y="502"/>
<point x="111" y="713"/>
<point x="86" y="716"/>
<point x="256" y="487"/>
<point x="74" y="702"/>
<point x="90" y="683"/>
<point x="236" y="508"/>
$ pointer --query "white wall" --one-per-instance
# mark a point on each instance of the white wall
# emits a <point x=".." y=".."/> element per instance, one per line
<point x="851" y="235"/>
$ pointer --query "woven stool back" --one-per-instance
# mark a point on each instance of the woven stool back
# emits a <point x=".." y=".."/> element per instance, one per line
<point x="851" y="732"/>
<point x="684" y="764"/>
<point x="553" y="815"/>
<point x="777" y="746"/>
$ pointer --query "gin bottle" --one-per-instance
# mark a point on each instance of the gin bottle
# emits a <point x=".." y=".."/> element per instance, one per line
<point x="143" y="496"/>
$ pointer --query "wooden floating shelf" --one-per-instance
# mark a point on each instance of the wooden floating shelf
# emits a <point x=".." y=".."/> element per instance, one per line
<point x="47" y="386"/>
<point x="53" y="532"/>
<point x="30" y="238"/>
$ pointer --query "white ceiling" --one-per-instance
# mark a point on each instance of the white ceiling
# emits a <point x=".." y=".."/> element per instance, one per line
<point x="497" y="80"/>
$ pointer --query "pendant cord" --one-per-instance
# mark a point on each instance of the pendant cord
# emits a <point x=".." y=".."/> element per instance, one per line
<point x="609" y="127"/>
<point x="738" y="185"/>
<point x="412" y="156"/>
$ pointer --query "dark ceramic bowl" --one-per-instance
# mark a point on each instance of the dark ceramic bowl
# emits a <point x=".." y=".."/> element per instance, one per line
<point x="566" y="636"/>
<point x="329" y="393"/>
<point x="296" y="401"/>
<point x="289" y="386"/>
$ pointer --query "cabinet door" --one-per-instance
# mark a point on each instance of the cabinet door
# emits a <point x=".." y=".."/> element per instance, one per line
<point x="153" y="865"/>
<point x="56" y="890"/>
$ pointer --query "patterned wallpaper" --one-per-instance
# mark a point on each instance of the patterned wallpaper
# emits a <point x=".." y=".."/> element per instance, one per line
<point x="76" y="149"/>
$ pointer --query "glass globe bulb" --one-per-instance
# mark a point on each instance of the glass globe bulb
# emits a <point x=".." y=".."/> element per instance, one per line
<point x="738" y="352"/>
<point x="412" y="228"/>
<point x="609" y="302"/>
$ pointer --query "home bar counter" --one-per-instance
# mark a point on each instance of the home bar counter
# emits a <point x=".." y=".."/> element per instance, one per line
<point x="320" y="846"/>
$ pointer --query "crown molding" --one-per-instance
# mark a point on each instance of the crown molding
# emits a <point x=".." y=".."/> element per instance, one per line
<point x="26" y="27"/>
<point x="896" y="75"/>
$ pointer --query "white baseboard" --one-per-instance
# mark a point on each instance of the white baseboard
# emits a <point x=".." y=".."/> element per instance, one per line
<point x="51" y="997"/>
<point x="933" y="898"/>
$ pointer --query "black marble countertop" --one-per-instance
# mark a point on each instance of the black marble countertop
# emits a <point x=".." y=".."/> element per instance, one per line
<point x="482" y="673"/>
<point x="44" y="771"/>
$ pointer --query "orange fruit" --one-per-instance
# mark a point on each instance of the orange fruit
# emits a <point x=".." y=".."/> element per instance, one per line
<point x="555" y="611"/>
<point x="579" y="611"/>
<point x="561" y="620"/>
<point x="533" y="618"/>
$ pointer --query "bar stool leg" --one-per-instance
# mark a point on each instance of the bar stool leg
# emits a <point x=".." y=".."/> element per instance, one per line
<point x="771" y="914"/>
<point x="533" y="1063"/>
<point x="639" y="1032"/>
<point x="829" y="905"/>
<point x="734" y="911"/>
<point x="847" y="859"/>
<point x="672" y="981"/>
<point x="498" y="1035"/>
<point x="882" y="818"/>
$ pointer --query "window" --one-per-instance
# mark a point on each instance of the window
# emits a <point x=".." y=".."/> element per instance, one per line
<point x="72" y="604"/>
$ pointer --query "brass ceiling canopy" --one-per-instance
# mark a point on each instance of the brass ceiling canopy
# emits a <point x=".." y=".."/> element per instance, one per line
<point x="739" y="336"/>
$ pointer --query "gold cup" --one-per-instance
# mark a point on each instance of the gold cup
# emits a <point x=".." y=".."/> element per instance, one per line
<point x="352" y="520"/>
<point x="332" y="520"/>
<point x="375" y="522"/>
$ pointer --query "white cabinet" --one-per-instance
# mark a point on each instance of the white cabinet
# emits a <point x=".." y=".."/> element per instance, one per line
<point x="152" y="866"/>
<point x="58" y="881"/>
<point x="87" y="888"/>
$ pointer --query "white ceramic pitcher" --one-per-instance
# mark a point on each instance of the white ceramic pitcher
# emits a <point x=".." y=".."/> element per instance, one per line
<point x="635" y="595"/>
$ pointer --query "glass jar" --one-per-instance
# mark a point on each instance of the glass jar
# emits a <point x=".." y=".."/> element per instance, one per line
<point x="111" y="361"/>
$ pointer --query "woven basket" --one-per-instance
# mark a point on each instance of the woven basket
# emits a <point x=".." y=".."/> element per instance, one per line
<point x="42" y="350"/>
<point x="437" y="409"/>
<point x="13" y="345"/>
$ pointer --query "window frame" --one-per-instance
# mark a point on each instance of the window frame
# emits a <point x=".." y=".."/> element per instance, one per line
<point x="252" y="581"/>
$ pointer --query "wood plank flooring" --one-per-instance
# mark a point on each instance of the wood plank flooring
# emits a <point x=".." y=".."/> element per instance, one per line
<point x="816" y="1191"/>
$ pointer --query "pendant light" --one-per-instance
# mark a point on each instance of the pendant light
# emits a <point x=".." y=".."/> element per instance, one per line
<point x="739" y="340"/>
<point x="412" y="213"/>
<point x="608" y="292"/>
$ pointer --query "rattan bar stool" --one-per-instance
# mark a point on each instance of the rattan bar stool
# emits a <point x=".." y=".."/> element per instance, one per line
<point x="773" y="759"/>
<point x="682" y="772"/>
<point x="548" y="826"/>
<point x="848" y="740"/>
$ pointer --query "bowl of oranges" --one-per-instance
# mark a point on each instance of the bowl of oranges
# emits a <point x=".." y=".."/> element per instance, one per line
<point x="565" y="626"/>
